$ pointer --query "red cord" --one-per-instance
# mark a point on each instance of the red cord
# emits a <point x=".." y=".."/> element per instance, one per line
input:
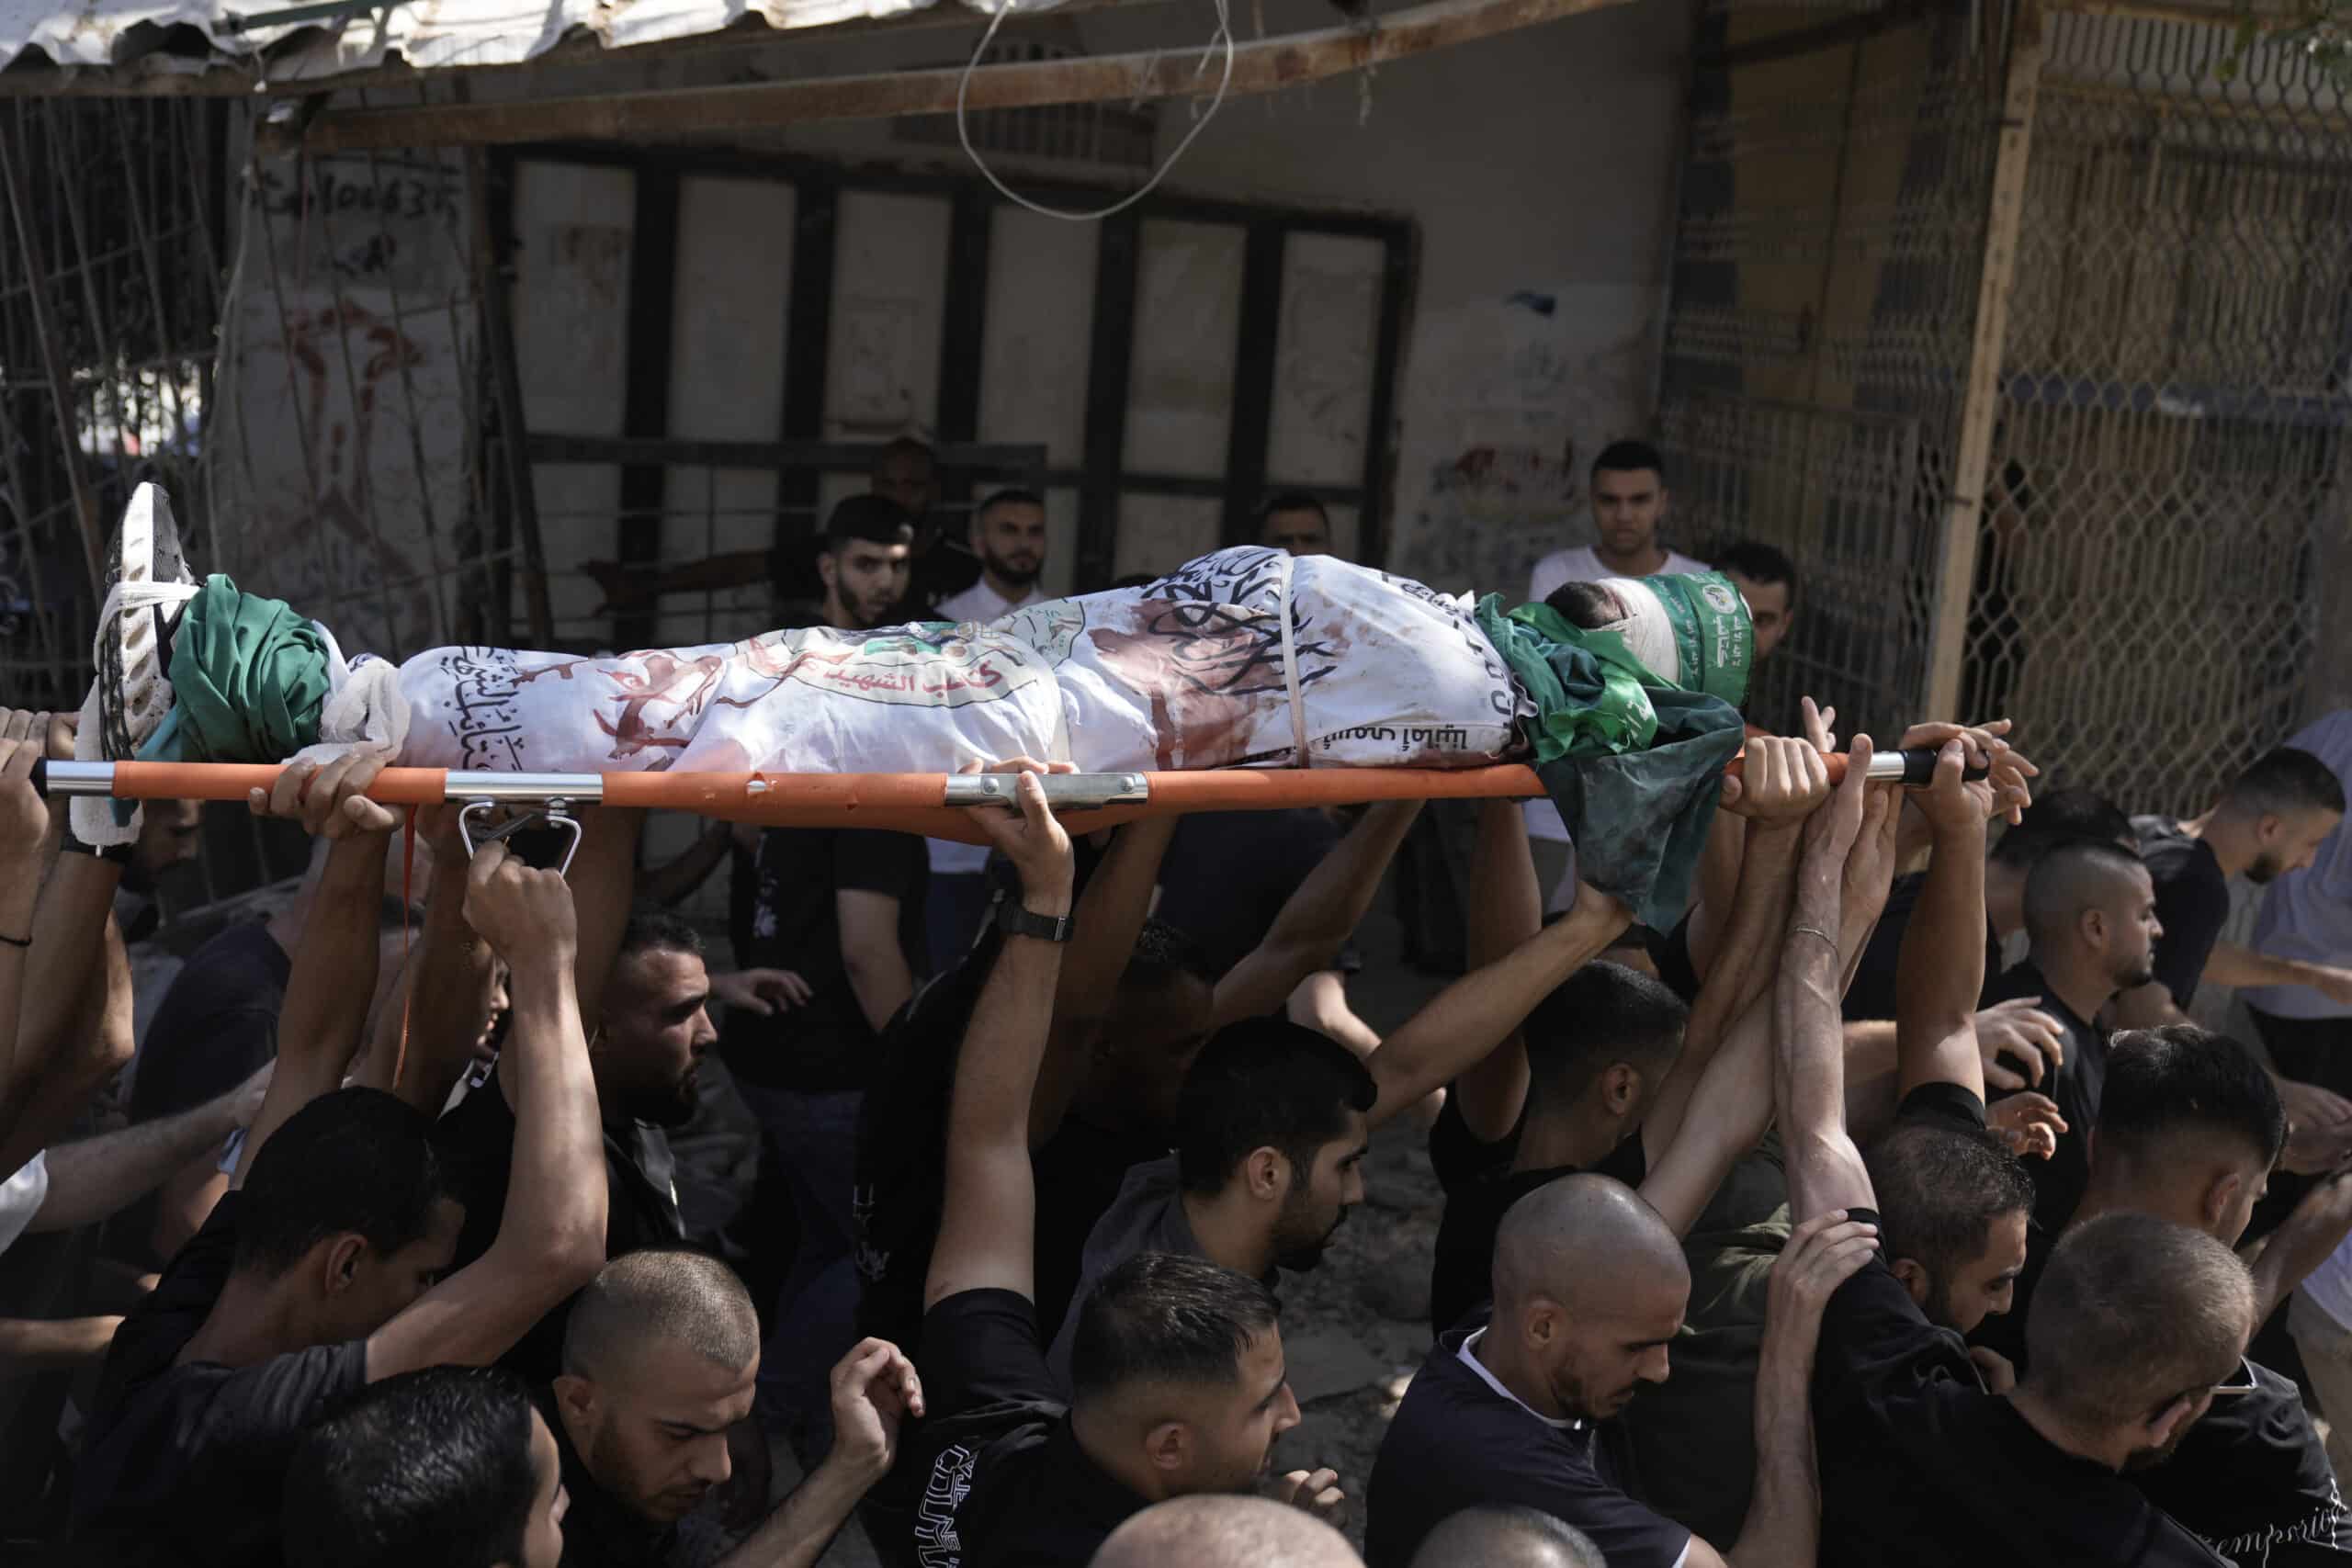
<point x="408" y="979"/>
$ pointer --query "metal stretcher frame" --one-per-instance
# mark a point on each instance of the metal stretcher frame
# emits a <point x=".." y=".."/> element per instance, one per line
<point x="929" y="803"/>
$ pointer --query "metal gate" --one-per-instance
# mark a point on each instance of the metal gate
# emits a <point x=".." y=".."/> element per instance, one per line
<point x="2027" y="335"/>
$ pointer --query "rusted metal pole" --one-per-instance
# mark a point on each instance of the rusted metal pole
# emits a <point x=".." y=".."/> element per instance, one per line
<point x="506" y="380"/>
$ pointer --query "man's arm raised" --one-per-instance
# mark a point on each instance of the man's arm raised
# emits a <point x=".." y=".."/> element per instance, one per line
<point x="1941" y="971"/>
<point x="425" y="1039"/>
<point x="97" y="1177"/>
<point x="875" y="1389"/>
<point x="551" y="1234"/>
<point x="1110" y="918"/>
<point x="1471" y="1017"/>
<point x="334" y="963"/>
<point x="1784" y="781"/>
<point x="1319" y="918"/>
<point x="1825" y="1168"/>
<point x="1509" y="910"/>
<point x="988" y="1228"/>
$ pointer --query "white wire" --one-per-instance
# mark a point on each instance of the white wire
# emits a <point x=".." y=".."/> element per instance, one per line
<point x="963" y="133"/>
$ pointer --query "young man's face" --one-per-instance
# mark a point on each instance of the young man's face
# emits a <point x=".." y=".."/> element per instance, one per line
<point x="1302" y="532"/>
<point x="655" y="1032"/>
<point x="1234" y="1426"/>
<point x="1767" y="608"/>
<point x="2132" y="931"/>
<point x="1013" y="542"/>
<point x="1986" y="1283"/>
<point x="864" y="582"/>
<point x="384" y="1285"/>
<point x="652" y="1428"/>
<point x="1320" y="1197"/>
<point x="1626" y="507"/>
<point x="2291" y="842"/>
<point x="170" y="833"/>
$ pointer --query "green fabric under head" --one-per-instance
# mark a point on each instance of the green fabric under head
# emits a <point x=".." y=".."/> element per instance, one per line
<point x="249" y="677"/>
<point x="1634" y="762"/>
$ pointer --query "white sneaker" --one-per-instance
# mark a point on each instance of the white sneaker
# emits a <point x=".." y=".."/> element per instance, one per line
<point x="148" y="585"/>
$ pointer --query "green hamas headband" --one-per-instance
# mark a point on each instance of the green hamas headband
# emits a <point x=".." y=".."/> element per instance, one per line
<point x="1713" y="639"/>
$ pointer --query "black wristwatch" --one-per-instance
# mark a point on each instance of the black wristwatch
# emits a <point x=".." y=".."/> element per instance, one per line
<point x="1014" y="921"/>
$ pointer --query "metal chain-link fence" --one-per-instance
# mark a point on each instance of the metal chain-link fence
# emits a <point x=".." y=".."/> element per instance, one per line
<point x="108" y="297"/>
<point x="2136" y="559"/>
<point x="1832" y="210"/>
<point x="2167" y="464"/>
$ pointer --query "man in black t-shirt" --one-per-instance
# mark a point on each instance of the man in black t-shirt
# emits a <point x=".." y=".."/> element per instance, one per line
<point x="2054" y="818"/>
<point x="2139" y="1319"/>
<point x="1180" y="1380"/>
<point x="2091" y="913"/>
<point x="1272" y="1133"/>
<point x="1599" y="1047"/>
<point x="2188" y="1130"/>
<point x="1516" y="1411"/>
<point x="317" y="1275"/>
<point x="2271" y="820"/>
<point x="842" y="909"/>
<point x="651" y="1039"/>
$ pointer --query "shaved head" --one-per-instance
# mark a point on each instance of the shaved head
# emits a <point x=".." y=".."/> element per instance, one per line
<point x="2133" y="1313"/>
<point x="1549" y="1239"/>
<point x="1493" y="1537"/>
<point x="1225" y="1531"/>
<point x="661" y="1294"/>
<point x="2076" y="877"/>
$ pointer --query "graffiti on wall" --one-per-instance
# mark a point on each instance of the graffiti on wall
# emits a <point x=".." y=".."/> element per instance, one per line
<point x="346" y="460"/>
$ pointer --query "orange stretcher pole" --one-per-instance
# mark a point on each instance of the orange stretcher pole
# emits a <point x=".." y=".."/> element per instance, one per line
<point x="912" y="802"/>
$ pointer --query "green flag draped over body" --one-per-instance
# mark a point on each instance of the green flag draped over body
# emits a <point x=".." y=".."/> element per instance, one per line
<point x="1633" y="757"/>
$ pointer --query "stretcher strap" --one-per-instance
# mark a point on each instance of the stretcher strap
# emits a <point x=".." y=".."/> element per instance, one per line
<point x="1290" y="662"/>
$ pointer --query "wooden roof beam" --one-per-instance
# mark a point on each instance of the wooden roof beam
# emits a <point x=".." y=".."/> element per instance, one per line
<point x="1264" y="66"/>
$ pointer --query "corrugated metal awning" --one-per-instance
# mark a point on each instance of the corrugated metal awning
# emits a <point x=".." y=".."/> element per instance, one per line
<point x="428" y="34"/>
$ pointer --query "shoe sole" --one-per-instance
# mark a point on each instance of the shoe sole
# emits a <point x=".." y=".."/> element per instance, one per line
<point x="146" y="549"/>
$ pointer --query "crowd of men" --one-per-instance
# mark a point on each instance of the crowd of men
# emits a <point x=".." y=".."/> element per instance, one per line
<point x="1887" y="1209"/>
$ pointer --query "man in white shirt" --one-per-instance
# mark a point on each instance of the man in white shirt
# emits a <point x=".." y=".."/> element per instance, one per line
<point x="2307" y="920"/>
<point x="1629" y="501"/>
<point x="1009" y="532"/>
